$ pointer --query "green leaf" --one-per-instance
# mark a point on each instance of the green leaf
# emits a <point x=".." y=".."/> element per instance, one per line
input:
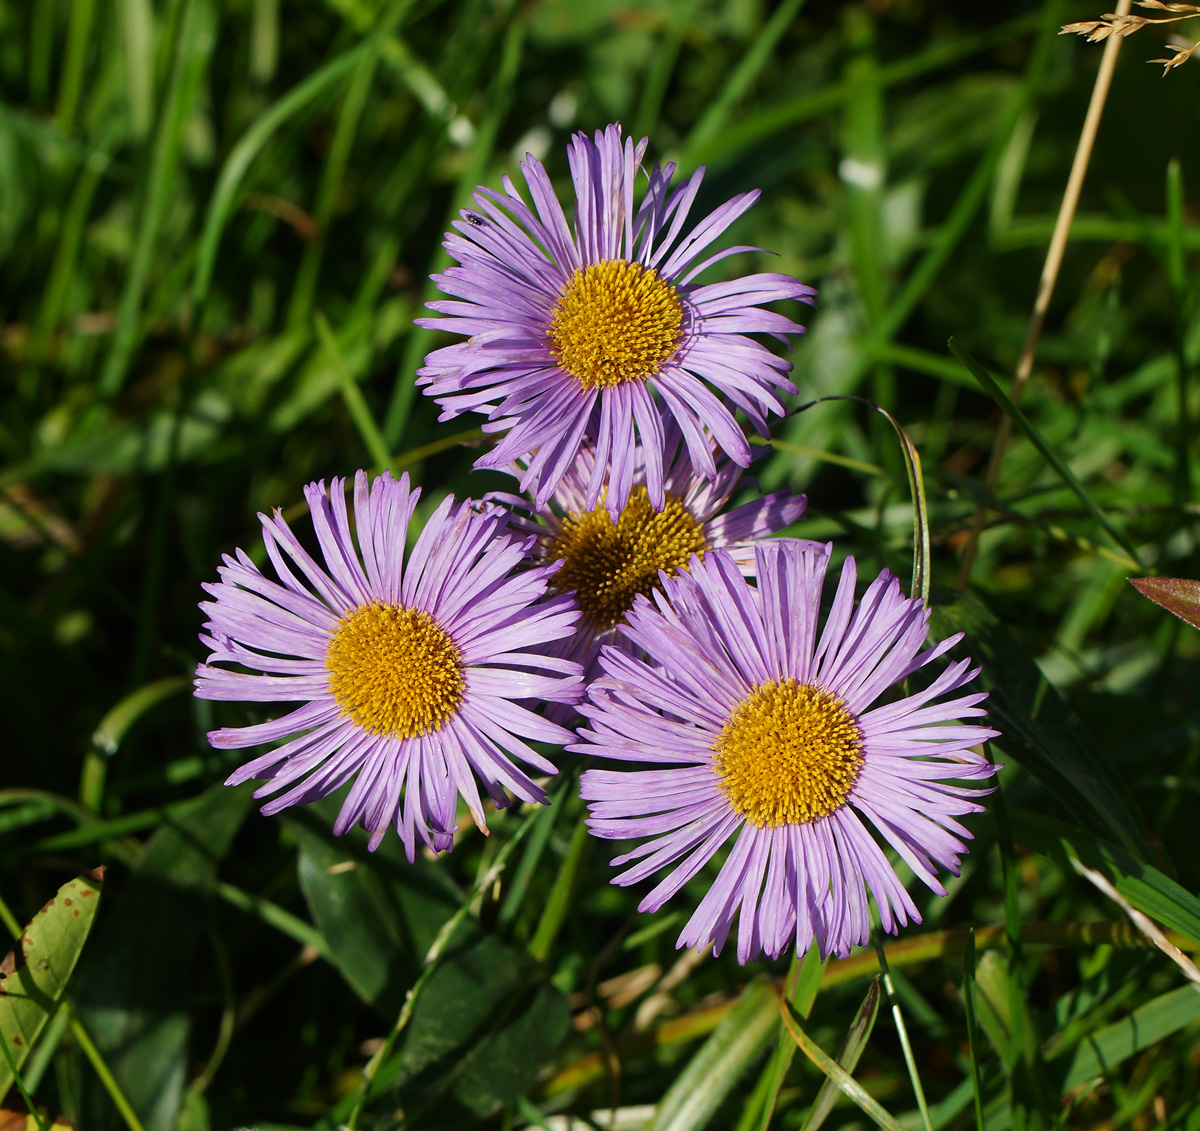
<point x="133" y="995"/>
<point x="801" y="988"/>
<point x="1177" y="595"/>
<point x="379" y="913"/>
<point x="1037" y="727"/>
<point x="34" y="976"/>
<point x="480" y="1031"/>
<point x="697" y="1092"/>
<point x="1101" y="1052"/>
<point x="852" y="1048"/>
<point x="1143" y="885"/>
<point x="1005" y="1016"/>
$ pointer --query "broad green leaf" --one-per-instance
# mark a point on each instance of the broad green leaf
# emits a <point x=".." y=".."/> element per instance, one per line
<point x="712" y="1073"/>
<point x="1143" y="885"/>
<point x="379" y="913"/>
<point x="1037" y="727"/>
<point x="1145" y="1026"/>
<point x="133" y="994"/>
<point x="481" y="1031"/>
<point x="852" y="1049"/>
<point x="34" y="976"/>
<point x="1177" y="595"/>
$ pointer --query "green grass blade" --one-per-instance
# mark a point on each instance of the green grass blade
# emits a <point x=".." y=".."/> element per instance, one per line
<point x="852" y="1048"/>
<point x="762" y="124"/>
<point x="419" y="339"/>
<point x="712" y="121"/>
<point x="192" y="46"/>
<point x="251" y="143"/>
<point x="1038" y="727"/>
<point x="331" y="181"/>
<point x="566" y="883"/>
<point x="800" y="988"/>
<point x="1143" y="885"/>
<point x="910" y="1061"/>
<point x="79" y="41"/>
<point x="989" y="386"/>
<point x="840" y="1077"/>
<point x="972" y="1025"/>
<point x="1108" y="1047"/>
<point x="711" y="1074"/>
<point x="356" y="405"/>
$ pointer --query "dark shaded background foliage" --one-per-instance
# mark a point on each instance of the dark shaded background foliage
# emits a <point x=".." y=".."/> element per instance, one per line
<point x="143" y="424"/>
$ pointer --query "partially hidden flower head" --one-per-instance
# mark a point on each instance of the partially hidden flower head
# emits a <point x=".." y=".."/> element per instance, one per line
<point x="606" y="563"/>
<point x="754" y="724"/>
<point x="411" y="668"/>
<point x="591" y="328"/>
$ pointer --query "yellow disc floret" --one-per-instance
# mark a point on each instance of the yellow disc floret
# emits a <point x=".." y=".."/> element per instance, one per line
<point x="789" y="753"/>
<point x="394" y="671"/>
<point x="608" y="564"/>
<point x="615" y="321"/>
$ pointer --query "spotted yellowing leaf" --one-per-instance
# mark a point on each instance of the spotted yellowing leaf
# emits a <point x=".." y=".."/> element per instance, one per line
<point x="1177" y="595"/>
<point x="35" y="973"/>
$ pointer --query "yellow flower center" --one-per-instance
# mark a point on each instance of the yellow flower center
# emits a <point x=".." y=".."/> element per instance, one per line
<point x="608" y="564"/>
<point x="394" y="671"/>
<point x="615" y="322"/>
<point x="789" y="753"/>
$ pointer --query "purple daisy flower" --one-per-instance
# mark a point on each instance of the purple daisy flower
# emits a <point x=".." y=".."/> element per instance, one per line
<point x="607" y="563"/>
<point x="410" y="669"/>
<point x="763" y="730"/>
<point x="594" y="329"/>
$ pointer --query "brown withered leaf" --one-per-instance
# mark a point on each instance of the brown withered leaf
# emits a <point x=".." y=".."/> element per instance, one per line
<point x="1177" y="595"/>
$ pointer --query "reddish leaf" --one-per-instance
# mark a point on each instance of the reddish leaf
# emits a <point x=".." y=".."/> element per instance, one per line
<point x="1177" y="595"/>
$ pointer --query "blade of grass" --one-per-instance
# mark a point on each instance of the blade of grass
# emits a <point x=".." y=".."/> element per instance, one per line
<point x="1177" y="273"/>
<point x="331" y="180"/>
<point x="252" y="142"/>
<point x="356" y="405"/>
<point x="558" y="903"/>
<point x="800" y="989"/>
<point x="189" y="53"/>
<point x="1026" y="429"/>
<point x="759" y="126"/>
<point x="79" y="41"/>
<point x="835" y="1072"/>
<point x="1054" y="256"/>
<point x="710" y="1075"/>
<point x="658" y="76"/>
<point x="107" y="736"/>
<point x="420" y="339"/>
<point x="910" y="1061"/>
<point x="19" y="1081"/>
<point x="716" y="113"/>
<point x="852" y="1048"/>
<point x="972" y="1034"/>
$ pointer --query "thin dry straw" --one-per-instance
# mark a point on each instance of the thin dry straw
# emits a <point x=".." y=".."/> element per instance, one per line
<point x="1054" y="256"/>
